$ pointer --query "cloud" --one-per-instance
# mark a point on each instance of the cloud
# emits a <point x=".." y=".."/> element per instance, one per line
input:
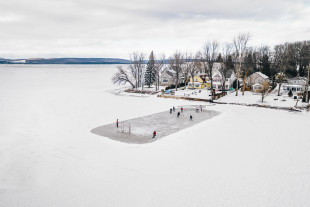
<point x="96" y="28"/>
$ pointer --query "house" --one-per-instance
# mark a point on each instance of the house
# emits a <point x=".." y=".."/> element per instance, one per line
<point x="257" y="88"/>
<point x="255" y="78"/>
<point x="168" y="77"/>
<point x="200" y="81"/>
<point x="218" y="79"/>
<point x="297" y="85"/>
<point x="297" y="81"/>
<point x="296" y="89"/>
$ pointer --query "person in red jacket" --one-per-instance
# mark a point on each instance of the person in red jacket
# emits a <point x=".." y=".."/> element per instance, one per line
<point x="117" y="123"/>
<point x="154" y="134"/>
<point x="181" y="109"/>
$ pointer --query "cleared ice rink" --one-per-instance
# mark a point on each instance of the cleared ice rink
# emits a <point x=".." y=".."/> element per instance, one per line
<point x="140" y="130"/>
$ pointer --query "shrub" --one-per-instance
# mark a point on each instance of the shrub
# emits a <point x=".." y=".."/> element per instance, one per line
<point x="290" y="93"/>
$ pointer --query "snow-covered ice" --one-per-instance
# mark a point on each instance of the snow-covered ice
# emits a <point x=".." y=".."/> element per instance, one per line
<point x="48" y="157"/>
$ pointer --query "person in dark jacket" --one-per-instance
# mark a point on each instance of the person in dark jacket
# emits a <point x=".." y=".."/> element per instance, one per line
<point x="191" y="117"/>
<point x="170" y="111"/>
<point x="178" y="114"/>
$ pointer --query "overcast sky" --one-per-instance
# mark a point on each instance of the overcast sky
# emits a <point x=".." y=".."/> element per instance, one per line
<point x="115" y="28"/>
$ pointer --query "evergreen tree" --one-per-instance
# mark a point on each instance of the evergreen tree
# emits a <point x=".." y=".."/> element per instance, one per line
<point x="219" y="58"/>
<point x="248" y="64"/>
<point x="229" y="63"/>
<point x="150" y="71"/>
<point x="254" y="60"/>
<point x="290" y="93"/>
<point x="265" y="65"/>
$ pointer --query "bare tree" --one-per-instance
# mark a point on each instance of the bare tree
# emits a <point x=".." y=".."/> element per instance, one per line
<point x="208" y="57"/>
<point x="265" y="88"/>
<point x="175" y="63"/>
<point x="137" y="68"/>
<point x="195" y="66"/>
<point x="122" y="76"/>
<point x="240" y="43"/>
<point x="280" y="62"/>
<point x="187" y="64"/>
<point x="226" y="64"/>
<point x="247" y="67"/>
<point x="159" y="65"/>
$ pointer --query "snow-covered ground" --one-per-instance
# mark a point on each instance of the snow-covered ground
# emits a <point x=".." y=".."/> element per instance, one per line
<point x="196" y="93"/>
<point x="48" y="157"/>
<point x="271" y="99"/>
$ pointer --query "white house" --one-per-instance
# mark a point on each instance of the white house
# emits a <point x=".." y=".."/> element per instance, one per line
<point x="297" y="81"/>
<point x="218" y="79"/>
<point x="297" y="85"/>
<point x="296" y="89"/>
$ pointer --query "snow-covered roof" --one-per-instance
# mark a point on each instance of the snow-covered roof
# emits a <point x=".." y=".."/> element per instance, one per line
<point x="293" y="85"/>
<point x="262" y="75"/>
<point x="297" y="78"/>
<point x="172" y="73"/>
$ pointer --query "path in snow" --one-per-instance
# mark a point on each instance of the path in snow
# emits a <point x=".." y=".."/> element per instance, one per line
<point x="163" y="123"/>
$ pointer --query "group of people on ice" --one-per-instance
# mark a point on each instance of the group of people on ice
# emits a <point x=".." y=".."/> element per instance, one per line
<point x="181" y="111"/>
<point x="178" y="115"/>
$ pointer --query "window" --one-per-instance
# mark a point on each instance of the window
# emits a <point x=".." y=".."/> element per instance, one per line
<point x="165" y="80"/>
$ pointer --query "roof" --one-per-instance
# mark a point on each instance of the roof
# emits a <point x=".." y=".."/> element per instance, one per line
<point x="229" y="72"/>
<point x="297" y="78"/>
<point x="262" y="75"/>
<point x="172" y="73"/>
<point x="292" y="85"/>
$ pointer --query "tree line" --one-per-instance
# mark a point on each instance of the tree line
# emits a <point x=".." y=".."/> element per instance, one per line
<point x="283" y="60"/>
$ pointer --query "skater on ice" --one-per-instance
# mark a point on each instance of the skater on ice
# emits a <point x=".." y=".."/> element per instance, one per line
<point x="154" y="134"/>
<point x="117" y="123"/>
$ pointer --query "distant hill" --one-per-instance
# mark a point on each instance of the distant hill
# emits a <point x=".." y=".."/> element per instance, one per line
<point x="66" y="61"/>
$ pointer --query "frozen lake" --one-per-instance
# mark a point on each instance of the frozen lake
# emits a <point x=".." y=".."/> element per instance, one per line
<point x="48" y="156"/>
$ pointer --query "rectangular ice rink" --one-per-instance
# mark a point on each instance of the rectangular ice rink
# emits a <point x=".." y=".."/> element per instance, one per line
<point x="164" y="123"/>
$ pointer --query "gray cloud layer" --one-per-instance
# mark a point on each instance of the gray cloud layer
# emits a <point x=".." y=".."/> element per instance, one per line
<point x="96" y="28"/>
